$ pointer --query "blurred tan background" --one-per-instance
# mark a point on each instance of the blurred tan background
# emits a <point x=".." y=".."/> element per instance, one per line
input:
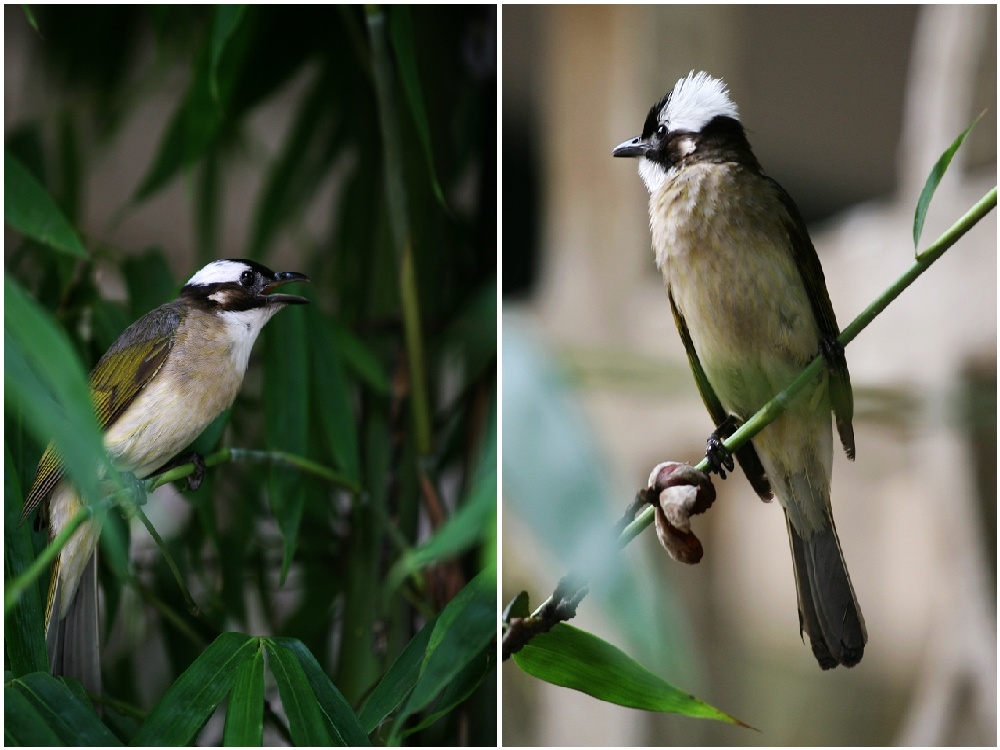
<point x="848" y="108"/>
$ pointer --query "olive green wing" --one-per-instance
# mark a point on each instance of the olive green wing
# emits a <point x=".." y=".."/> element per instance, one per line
<point x="747" y="454"/>
<point x="841" y="395"/>
<point x="131" y="362"/>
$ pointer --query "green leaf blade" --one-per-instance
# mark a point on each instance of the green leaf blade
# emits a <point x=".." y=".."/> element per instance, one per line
<point x="191" y="700"/>
<point x="245" y="715"/>
<point x="934" y="179"/>
<point x="286" y="412"/>
<point x="462" y="630"/>
<point x="573" y="658"/>
<point x="71" y="718"/>
<point x="30" y="210"/>
<point x="340" y="718"/>
<point x="305" y="720"/>
<point x="398" y="681"/>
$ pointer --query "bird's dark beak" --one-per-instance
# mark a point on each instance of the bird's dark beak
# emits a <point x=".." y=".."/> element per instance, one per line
<point x="633" y="147"/>
<point x="280" y="279"/>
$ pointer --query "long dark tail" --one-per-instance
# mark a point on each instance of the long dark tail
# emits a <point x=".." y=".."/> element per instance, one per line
<point x="828" y="610"/>
<point x="73" y="637"/>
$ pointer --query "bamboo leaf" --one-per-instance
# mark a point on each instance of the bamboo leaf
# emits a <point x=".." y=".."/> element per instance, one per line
<point x="30" y="210"/>
<point x="224" y="22"/>
<point x="337" y="712"/>
<point x="573" y="658"/>
<point x="463" y="629"/>
<point x="401" y="33"/>
<point x="24" y="627"/>
<point x="934" y="179"/>
<point x="193" y="698"/>
<point x="245" y="715"/>
<point x="397" y="683"/>
<point x="305" y="720"/>
<point x="59" y="708"/>
<point x="286" y="413"/>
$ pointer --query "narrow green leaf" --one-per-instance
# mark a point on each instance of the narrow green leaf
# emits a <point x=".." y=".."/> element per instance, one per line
<point x="397" y="683"/>
<point x="460" y="688"/>
<point x="286" y="413"/>
<point x="332" y="399"/>
<point x="933" y="180"/>
<point x="463" y="628"/>
<point x="31" y="18"/>
<point x="71" y="718"/>
<point x="24" y="627"/>
<point x="340" y="717"/>
<point x="225" y="20"/>
<point x="46" y="384"/>
<point x="573" y="658"/>
<point x="305" y="720"/>
<point x="30" y="210"/>
<point x="23" y="725"/>
<point x="194" y="696"/>
<point x="245" y="714"/>
<point x="401" y="32"/>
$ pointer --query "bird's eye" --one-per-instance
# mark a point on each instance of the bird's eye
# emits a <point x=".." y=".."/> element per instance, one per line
<point x="246" y="278"/>
<point x="661" y="131"/>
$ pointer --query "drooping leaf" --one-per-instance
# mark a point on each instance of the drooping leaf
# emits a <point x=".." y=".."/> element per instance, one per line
<point x="245" y="714"/>
<point x="46" y="383"/>
<point x="286" y="413"/>
<point x="225" y="19"/>
<point x="30" y="210"/>
<point x="463" y="629"/>
<point x="59" y="708"/>
<point x="337" y="712"/>
<point x="333" y="397"/>
<point x="573" y="658"/>
<point x="397" y="682"/>
<point x="305" y="720"/>
<point x="192" y="699"/>
<point x="401" y="32"/>
<point x="24" y="627"/>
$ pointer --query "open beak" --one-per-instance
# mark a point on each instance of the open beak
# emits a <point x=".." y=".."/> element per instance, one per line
<point x="280" y="279"/>
<point x="633" y="147"/>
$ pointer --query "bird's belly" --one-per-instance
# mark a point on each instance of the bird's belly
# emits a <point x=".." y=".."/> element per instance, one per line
<point x="744" y="303"/>
<point x="168" y="414"/>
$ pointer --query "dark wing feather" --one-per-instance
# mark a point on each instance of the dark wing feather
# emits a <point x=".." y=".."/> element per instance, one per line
<point x="747" y="454"/>
<point x="841" y="395"/>
<point x="131" y="362"/>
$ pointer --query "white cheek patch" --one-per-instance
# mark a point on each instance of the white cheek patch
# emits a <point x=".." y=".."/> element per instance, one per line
<point x="218" y="272"/>
<point x="686" y="146"/>
<point x="222" y="297"/>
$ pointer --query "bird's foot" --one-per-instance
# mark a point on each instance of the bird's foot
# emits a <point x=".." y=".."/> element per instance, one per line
<point x="833" y="354"/>
<point x="719" y="457"/>
<point x="196" y="477"/>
